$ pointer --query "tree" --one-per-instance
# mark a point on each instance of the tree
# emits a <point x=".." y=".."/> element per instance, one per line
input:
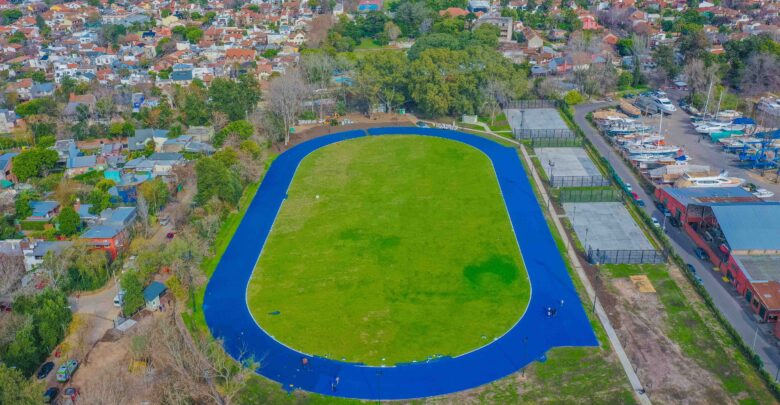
<point x="241" y="129"/>
<point x="285" y="99"/>
<point x="761" y="74"/>
<point x="216" y="180"/>
<point x="318" y="68"/>
<point x="9" y="16"/>
<point x="410" y="15"/>
<point x="234" y="98"/>
<point x="134" y="292"/>
<point x="48" y="313"/>
<point x="22" y="204"/>
<point x="11" y="271"/>
<point x="665" y="59"/>
<point x="699" y="75"/>
<point x="625" y="46"/>
<point x="34" y="162"/>
<point x="15" y="389"/>
<point x="69" y="221"/>
<point x="156" y="194"/>
<point x="382" y="79"/>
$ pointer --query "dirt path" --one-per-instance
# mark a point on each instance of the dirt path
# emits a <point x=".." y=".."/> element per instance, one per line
<point x="669" y="375"/>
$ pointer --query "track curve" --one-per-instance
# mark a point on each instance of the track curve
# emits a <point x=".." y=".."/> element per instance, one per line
<point x="229" y="318"/>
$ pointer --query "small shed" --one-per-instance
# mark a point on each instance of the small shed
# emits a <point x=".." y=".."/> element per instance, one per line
<point x="152" y="294"/>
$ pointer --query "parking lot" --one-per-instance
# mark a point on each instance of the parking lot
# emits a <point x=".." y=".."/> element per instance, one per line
<point x="573" y="162"/>
<point x="606" y="226"/>
<point x="678" y="130"/>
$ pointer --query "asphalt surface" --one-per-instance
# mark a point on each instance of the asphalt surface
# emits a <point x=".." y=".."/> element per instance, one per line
<point x="732" y="306"/>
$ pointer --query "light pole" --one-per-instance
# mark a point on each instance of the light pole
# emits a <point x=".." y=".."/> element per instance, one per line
<point x="586" y="237"/>
<point x="550" y="166"/>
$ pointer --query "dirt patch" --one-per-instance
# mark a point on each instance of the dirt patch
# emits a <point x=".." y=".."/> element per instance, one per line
<point x="104" y="376"/>
<point x="360" y="121"/>
<point x="668" y="375"/>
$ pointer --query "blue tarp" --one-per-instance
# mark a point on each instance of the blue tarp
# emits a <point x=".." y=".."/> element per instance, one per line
<point x="228" y="316"/>
<point x="743" y="121"/>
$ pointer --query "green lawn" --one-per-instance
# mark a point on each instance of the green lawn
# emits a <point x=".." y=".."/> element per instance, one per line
<point x="390" y="250"/>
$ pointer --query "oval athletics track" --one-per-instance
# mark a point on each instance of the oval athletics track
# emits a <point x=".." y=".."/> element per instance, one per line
<point x="228" y="316"/>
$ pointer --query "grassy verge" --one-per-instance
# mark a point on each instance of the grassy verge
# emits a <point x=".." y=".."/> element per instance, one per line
<point x="696" y="337"/>
<point x="195" y="320"/>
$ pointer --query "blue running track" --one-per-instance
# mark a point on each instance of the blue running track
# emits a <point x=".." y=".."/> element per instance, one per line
<point x="228" y="316"/>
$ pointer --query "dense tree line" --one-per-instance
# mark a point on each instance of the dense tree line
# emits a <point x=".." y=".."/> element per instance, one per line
<point x="443" y="74"/>
<point x="37" y="325"/>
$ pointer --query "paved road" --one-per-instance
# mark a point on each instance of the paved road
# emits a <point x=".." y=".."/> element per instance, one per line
<point x="733" y="307"/>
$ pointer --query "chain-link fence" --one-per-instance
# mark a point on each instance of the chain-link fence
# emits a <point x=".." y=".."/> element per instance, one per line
<point x="578" y="181"/>
<point x="598" y="256"/>
<point x="531" y="104"/>
<point x="526" y="133"/>
<point x="564" y="142"/>
<point x="573" y="195"/>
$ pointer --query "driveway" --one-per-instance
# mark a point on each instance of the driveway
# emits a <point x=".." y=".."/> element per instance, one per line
<point x="732" y="306"/>
<point x="100" y="307"/>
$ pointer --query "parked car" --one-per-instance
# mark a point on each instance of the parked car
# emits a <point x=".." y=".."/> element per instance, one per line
<point x="655" y="222"/>
<point x="700" y="253"/>
<point x="675" y="222"/>
<point x="170" y="235"/>
<point x="691" y="268"/>
<point x="422" y="124"/>
<point x="50" y="395"/>
<point x="661" y="207"/>
<point x="628" y="187"/>
<point x="697" y="278"/>
<point x="72" y="393"/>
<point x="45" y="370"/>
<point x="66" y="370"/>
<point x="725" y="249"/>
<point x="119" y="299"/>
<point x="5" y="307"/>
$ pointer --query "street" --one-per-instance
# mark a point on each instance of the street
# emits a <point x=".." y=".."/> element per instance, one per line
<point x="733" y="307"/>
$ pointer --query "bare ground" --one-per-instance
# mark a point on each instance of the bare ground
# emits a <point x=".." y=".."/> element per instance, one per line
<point x="668" y="375"/>
<point x="107" y="363"/>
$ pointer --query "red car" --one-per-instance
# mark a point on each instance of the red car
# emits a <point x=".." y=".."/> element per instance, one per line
<point x="170" y="235"/>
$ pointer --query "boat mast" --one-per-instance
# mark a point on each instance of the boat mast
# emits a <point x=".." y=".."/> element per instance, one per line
<point x="719" y="100"/>
<point x="707" y="104"/>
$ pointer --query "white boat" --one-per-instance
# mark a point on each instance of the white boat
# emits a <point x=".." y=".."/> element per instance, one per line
<point x="696" y="180"/>
<point x="652" y="150"/>
<point x="763" y="193"/>
<point x="711" y="127"/>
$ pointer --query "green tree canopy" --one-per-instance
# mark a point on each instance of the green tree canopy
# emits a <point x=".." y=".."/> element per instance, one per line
<point x="15" y="389"/>
<point x="234" y="98"/>
<point x="215" y="179"/>
<point x="156" y="194"/>
<point x="242" y="129"/>
<point x="35" y="162"/>
<point x="134" y="292"/>
<point x="69" y="221"/>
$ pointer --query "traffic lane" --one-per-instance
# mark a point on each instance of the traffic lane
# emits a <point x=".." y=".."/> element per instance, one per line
<point x="731" y="305"/>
